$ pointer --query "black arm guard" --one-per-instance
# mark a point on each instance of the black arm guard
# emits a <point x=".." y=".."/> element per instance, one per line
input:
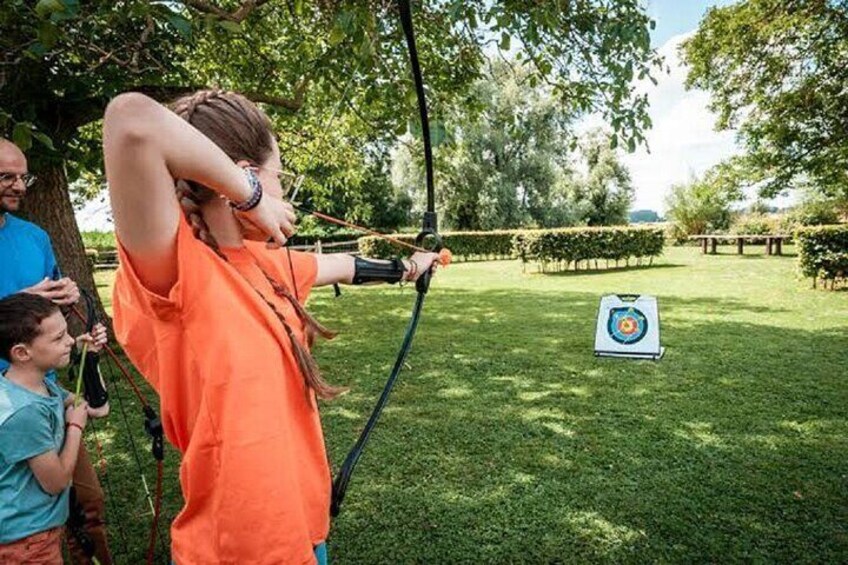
<point x="366" y="271"/>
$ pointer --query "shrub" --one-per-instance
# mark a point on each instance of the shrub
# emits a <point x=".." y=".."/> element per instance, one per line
<point x="463" y="245"/>
<point x="813" y="213"/>
<point x="755" y="224"/>
<point x="823" y="253"/>
<point x="586" y="246"/>
<point x="98" y="239"/>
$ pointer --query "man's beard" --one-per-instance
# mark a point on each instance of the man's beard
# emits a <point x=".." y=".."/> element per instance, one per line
<point x="4" y="207"/>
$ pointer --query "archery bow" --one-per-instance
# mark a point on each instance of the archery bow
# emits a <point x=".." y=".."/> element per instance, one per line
<point x="429" y="230"/>
<point x="152" y="424"/>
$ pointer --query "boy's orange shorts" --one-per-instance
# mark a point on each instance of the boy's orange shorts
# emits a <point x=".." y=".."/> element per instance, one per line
<point x="43" y="548"/>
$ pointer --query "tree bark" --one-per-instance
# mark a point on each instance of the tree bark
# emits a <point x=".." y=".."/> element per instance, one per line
<point x="48" y="204"/>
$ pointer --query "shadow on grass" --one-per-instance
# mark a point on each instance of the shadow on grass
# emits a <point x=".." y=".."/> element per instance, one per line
<point x="507" y="441"/>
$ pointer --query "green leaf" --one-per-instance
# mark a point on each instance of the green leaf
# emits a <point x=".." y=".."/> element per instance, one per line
<point x="438" y="133"/>
<point x="337" y="35"/>
<point x="181" y="24"/>
<point x="22" y="135"/>
<point x="230" y="27"/>
<point x="505" y="42"/>
<point x="414" y="128"/>
<point x="68" y="13"/>
<point x="36" y="50"/>
<point x="48" y="35"/>
<point x="44" y="140"/>
<point x="46" y="7"/>
<point x="366" y="50"/>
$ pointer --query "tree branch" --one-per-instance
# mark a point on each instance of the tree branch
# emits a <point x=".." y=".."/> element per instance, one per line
<point x="294" y="104"/>
<point x="236" y="16"/>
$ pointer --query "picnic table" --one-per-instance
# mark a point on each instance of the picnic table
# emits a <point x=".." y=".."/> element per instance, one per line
<point x="773" y="242"/>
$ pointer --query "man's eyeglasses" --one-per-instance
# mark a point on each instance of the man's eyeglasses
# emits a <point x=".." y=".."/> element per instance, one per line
<point x="9" y="179"/>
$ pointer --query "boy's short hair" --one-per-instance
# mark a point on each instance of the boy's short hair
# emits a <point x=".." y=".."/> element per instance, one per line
<point x="21" y="315"/>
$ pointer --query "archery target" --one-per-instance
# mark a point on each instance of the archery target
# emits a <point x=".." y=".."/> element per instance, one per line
<point x="628" y="326"/>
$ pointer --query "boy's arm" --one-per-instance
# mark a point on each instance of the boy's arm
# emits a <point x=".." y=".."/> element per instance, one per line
<point x="53" y="470"/>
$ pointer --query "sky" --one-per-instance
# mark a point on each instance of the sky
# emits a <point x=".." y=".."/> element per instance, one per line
<point x="683" y="141"/>
<point x="676" y="17"/>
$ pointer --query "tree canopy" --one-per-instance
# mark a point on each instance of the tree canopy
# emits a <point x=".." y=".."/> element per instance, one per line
<point x="63" y="60"/>
<point x="333" y="75"/>
<point x="776" y="71"/>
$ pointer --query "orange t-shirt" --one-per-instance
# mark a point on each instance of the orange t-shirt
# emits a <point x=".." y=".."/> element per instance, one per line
<point x="254" y="472"/>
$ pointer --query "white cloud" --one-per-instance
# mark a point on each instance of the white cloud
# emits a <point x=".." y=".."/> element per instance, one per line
<point x="96" y="214"/>
<point x="683" y="140"/>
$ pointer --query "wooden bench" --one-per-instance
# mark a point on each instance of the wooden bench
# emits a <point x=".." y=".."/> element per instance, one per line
<point x="773" y="242"/>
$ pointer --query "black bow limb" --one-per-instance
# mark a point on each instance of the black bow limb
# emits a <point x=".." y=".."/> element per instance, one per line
<point x="429" y="231"/>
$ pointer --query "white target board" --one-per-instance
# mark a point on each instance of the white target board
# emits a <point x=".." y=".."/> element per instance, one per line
<point x="628" y="326"/>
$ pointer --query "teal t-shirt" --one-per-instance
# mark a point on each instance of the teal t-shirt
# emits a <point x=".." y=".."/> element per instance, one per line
<point x="30" y="424"/>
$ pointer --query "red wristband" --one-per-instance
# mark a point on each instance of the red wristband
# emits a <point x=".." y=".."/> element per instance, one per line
<point x="74" y="425"/>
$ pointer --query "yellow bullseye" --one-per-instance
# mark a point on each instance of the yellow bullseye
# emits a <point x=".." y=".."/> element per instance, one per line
<point x="627" y="326"/>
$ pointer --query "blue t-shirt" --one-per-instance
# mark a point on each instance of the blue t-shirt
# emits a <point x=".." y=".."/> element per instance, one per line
<point x="26" y="257"/>
<point x="30" y="424"/>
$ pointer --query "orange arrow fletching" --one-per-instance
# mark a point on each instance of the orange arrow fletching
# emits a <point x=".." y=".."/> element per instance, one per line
<point x="445" y="257"/>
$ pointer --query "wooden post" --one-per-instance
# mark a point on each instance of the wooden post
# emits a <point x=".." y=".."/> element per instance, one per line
<point x="739" y="245"/>
<point x="779" y="245"/>
<point x="713" y="245"/>
<point x="318" y="248"/>
<point x="704" y="245"/>
<point x="768" y="245"/>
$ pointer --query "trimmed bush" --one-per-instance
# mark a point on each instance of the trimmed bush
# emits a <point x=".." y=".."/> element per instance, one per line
<point x="558" y="247"/>
<point x="823" y="253"/>
<point x="585" y="247"/>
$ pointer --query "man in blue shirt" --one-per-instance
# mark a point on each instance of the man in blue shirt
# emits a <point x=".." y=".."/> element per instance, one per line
<point x="28" y="264"/>
<point x="26" y="256"/>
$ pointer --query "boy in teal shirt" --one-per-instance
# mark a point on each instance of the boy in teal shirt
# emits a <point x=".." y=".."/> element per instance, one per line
<point x="40" y="429"/>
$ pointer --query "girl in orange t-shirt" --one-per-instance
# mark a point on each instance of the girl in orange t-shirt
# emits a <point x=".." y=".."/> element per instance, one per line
<point x="214" y="319"/>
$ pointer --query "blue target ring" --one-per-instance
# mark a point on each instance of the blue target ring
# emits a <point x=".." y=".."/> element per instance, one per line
<point x="627" y="325"/>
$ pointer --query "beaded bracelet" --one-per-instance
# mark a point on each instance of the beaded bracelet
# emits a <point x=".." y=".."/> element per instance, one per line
<point x="74" y="425"/>
<point x="255" y="196"/>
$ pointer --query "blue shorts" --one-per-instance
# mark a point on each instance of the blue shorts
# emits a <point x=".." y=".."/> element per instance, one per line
<point x="321" y="553"/>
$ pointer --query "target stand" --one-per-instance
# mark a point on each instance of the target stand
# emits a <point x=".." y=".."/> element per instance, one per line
<point x="628" y="326"/>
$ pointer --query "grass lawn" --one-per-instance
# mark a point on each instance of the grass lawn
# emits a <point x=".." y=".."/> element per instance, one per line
<point x="507" y="441"/>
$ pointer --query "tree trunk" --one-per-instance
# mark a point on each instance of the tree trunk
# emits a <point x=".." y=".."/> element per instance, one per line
<point x="48" y="204"/>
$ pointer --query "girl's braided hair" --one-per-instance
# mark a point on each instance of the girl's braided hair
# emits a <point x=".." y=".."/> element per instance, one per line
<point x="243" y="132"/>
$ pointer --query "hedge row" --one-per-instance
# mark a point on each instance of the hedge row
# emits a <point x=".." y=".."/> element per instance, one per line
<point x="463" y="245"/>
<point x="568" y="245"/>
<point x="823" y="253"/>
<point x="573" y="246"/>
